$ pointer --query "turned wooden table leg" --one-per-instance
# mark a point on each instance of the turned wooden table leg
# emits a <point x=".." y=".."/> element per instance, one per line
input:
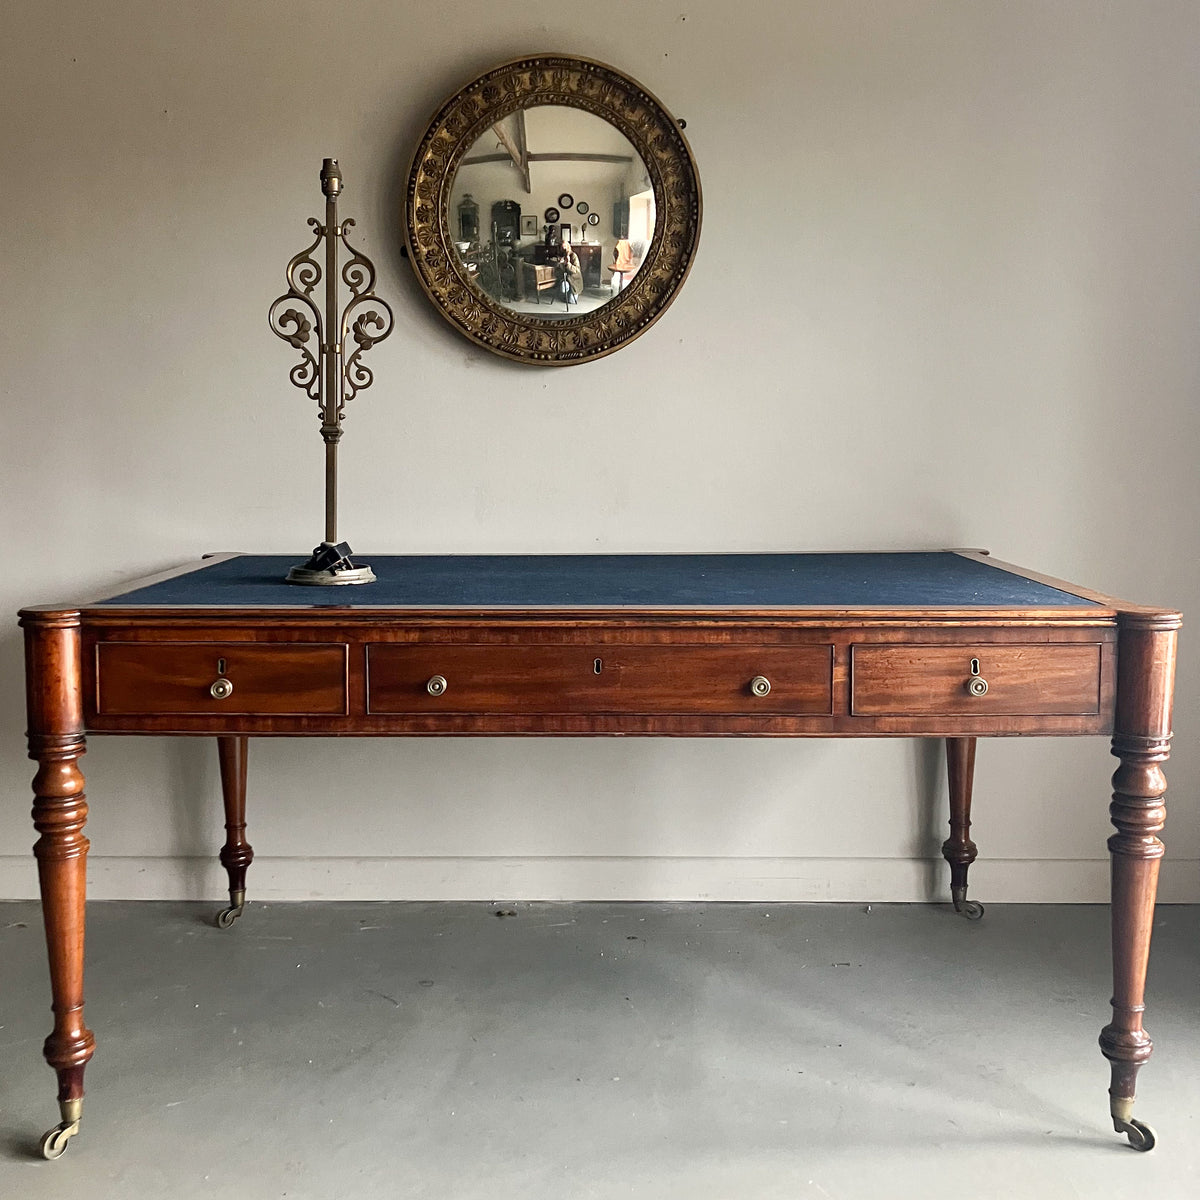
<point x="54" y="694"/>
<point x="237" y="853"/>
<point x="1141" y="740"/>
<point x="958" y="849"/>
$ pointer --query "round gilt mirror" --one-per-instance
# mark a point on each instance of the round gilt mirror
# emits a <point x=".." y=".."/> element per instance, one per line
<point x="532" y="277"/>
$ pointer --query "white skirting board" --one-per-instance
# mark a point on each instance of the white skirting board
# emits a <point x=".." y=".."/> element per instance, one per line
<point x="775" y="880"/>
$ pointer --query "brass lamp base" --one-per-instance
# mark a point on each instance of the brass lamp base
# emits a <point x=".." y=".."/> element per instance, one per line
<point x="330" y="370"/>
<point x="330" y="566"/>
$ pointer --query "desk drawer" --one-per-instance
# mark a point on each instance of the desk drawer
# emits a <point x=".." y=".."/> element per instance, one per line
<point x="143" y="678"/>
<point x="599" y="679"/>
<point x="1022" y="680"/>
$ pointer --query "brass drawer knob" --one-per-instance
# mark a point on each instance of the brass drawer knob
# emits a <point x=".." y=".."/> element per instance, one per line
<point x="760" y="685"/>
<point x="221" y="689"/>
<point x="436" y="685"/>
<point x="976" y="685"/>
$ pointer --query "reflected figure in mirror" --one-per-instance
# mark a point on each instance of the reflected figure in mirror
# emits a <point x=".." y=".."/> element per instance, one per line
<point x="572" y="273"/>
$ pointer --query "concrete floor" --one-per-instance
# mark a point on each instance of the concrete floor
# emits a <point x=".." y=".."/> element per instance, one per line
<point x="664" y="1052"/>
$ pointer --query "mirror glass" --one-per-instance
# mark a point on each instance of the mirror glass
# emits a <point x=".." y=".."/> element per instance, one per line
<point x="552" y="212"/>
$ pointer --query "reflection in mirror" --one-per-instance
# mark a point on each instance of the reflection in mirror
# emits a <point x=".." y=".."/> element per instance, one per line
<point x="523" y="255"/>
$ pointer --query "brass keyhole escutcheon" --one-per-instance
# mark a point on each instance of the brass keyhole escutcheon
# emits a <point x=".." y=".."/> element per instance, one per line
<point x="760" y="685"/>
<point x="221" y="689"/>
<point x="437" y="685"/>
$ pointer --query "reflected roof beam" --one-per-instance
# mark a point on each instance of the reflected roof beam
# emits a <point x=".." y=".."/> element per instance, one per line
<point x="606" y="158"/>
<point x="516" y="147"/>
<point x="602" y="158"/>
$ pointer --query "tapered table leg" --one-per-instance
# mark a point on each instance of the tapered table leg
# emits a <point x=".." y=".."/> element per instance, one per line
<point x="958" y="849"/>
<point x="237" y="854"/>
<point x="54" y="694"/>
<point x="1141" y="740"/>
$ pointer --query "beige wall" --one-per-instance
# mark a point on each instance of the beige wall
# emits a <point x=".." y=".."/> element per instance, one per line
<point x="946" y="295"/>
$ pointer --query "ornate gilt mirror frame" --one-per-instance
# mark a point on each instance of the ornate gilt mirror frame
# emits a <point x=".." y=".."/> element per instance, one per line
<point x="654" y="134"/>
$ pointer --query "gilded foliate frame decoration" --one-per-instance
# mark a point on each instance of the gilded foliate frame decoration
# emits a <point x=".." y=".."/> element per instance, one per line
<point x="657" y="137"/>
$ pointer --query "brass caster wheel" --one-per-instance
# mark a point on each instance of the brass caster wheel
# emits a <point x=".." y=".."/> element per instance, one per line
<point x="1140" y="1135"/>
<point x="227" y="916"/>
<point x="972" y="910"/>
<point x="54" y="1141"/>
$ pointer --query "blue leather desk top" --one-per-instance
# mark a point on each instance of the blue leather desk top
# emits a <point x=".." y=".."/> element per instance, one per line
<point x="938" y="580"/>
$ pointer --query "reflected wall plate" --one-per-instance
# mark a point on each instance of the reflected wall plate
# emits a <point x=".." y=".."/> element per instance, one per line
<point x="593" y="218"/>
<point x="551" y="215"/>
<point x="582" y="207"/>
<point x="566" y="200"/>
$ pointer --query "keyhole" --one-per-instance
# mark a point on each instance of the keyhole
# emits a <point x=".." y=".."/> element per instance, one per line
<point x="220" y="666"/>
<point x="598" y="666"/>
<point x="974" y="666"/>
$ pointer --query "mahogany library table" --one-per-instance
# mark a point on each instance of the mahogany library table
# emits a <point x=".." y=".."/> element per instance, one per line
<point x="949" y="645"/>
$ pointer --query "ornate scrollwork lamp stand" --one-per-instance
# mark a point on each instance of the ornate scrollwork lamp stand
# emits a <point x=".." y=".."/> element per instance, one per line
<point x="330" y="373"/>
